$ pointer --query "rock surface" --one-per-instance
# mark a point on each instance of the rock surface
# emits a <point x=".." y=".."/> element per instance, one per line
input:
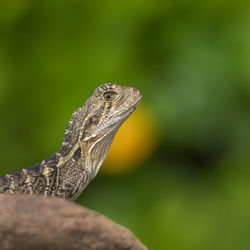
<point x="39" y="223"/>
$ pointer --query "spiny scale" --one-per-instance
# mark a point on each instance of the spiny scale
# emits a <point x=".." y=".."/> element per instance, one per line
<point x="88" y="137"/>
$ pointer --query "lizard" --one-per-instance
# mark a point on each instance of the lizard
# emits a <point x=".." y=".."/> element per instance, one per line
<point x="87" y="140"/>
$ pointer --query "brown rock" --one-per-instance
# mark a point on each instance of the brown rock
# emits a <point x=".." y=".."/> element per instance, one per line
<point x="39" y="223"/>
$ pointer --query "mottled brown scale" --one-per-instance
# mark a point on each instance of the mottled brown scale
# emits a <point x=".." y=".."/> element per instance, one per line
<point x="87" y="140"/>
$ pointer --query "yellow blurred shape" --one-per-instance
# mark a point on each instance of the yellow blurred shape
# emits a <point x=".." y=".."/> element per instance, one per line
<point x="133" y="145"/>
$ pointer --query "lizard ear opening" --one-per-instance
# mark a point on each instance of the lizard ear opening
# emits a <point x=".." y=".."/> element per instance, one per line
<point x="93" y="120"/>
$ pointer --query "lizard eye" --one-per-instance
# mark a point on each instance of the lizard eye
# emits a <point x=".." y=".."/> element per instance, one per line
<point x="109" y="96"/>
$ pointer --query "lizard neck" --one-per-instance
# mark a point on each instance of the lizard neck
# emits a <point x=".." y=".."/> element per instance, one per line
<point x="73" y="131"/>
<point x="79" y="148"/>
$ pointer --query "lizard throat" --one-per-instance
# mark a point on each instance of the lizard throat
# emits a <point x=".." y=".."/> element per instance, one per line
<point x="97" y="152"/>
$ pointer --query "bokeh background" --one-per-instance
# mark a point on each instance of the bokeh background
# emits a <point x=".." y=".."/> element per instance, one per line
<point x="178" y="173"/>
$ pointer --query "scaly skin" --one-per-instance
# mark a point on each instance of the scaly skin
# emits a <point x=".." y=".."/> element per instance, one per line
<point x="87" y="141"/>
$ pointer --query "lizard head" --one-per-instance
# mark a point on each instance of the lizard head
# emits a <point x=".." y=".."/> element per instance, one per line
<point x="110" y="105"/>
<point x="100" y="118"/>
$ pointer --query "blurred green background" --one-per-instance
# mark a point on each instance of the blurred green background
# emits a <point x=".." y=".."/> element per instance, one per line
<point x="190" y="59"/>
